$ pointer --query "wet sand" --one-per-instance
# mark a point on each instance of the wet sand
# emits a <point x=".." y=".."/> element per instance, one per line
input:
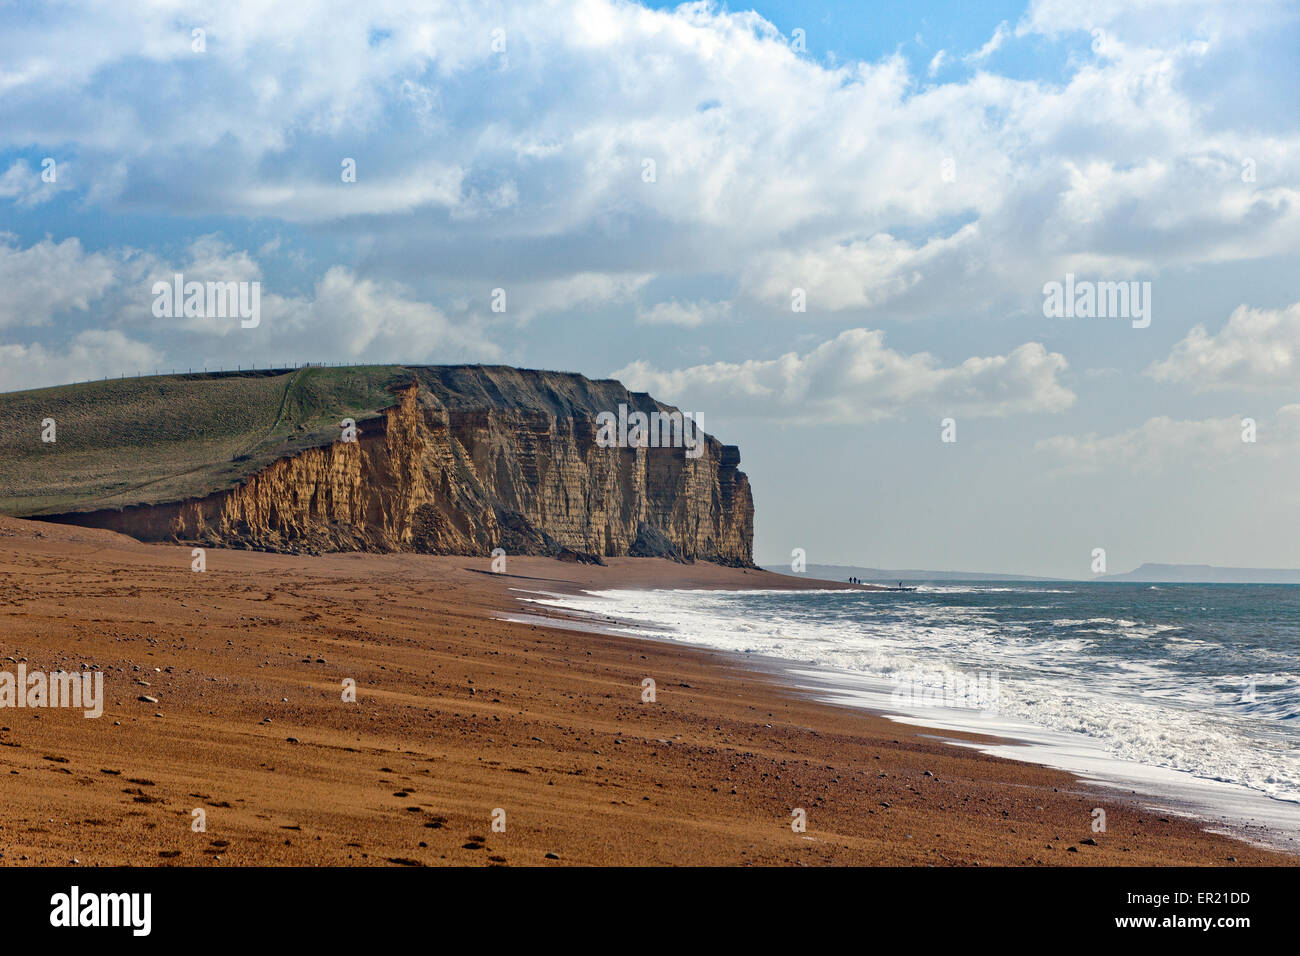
<point x="458" y="715"/>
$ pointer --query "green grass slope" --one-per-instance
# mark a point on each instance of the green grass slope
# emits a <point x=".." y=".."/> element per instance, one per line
<point x="170" y="437"/>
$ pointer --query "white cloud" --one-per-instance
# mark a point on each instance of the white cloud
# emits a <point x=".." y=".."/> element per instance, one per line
<point x="211" y="257"/>
<point x="373" y="193"/>
<point x="993" y="44"/>
<point x="855" y="377"/>
<point x="774" y="171"/>
<point x="27" y="188"/>
<point x="345" y="316"/>
<point x="852" y="275"/>
<point x="91" y="354"/>
<point x="760" y="154"/>
<point x="1256" y="348"/>
<point x="358" y="318"/>
<point x="49" y="278"/>
<point x="1164" y="443"/>
<point x="936" y="62"/>
<point x="1052" y="17"/>
<point x="687" y="314"/>
<point x="529" y="299"/>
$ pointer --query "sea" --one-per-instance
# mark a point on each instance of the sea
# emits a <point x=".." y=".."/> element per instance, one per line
<point x="1188" y="693"/>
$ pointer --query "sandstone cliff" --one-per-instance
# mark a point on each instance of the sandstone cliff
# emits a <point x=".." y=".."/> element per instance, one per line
<point x="466" y="459"/>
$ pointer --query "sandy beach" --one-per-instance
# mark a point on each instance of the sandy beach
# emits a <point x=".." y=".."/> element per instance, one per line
<point x="461" y="719"/>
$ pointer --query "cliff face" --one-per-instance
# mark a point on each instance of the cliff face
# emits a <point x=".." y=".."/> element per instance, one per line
<point x="469" y="459"/>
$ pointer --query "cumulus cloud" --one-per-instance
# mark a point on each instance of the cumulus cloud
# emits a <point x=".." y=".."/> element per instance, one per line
<point x="1256" y="348"/>
<point x="1163" y="443"/>
<point x="523" y="164"/>
<point x="529" y="299"/>
<point x="26" y="186"/>
<point x="104" y="305"/>
<point x="92" y="354"/>
<point x="856" y="377"/>
<point x="852" y="275"/>
<point x="210" y="257"/>
<point x="687" y="314"/>
<point x="356" y="317"/>
<point x="759" y="153"/>
<point x="49" y="278"/>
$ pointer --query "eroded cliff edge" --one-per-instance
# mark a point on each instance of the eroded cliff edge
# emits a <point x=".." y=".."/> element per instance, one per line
<point x="467" y="459"/>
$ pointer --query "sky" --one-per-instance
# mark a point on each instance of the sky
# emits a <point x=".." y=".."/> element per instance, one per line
<point x="826" y="228"/>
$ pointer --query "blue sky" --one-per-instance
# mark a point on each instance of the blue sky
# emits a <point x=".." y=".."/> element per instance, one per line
<point x="919" y="170"/>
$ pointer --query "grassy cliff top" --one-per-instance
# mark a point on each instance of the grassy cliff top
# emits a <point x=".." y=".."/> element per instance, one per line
<point x="166" y="438"/>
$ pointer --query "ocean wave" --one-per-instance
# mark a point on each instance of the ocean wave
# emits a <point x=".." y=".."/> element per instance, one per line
<point x="1092" y="675"/>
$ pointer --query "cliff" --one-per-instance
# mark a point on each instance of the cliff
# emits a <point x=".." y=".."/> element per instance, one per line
<point x="446" y="460"/>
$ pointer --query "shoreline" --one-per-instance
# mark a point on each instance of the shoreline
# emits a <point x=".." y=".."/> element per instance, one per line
<point x="1225" y="808"/>
<point x="459" y="715"/>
